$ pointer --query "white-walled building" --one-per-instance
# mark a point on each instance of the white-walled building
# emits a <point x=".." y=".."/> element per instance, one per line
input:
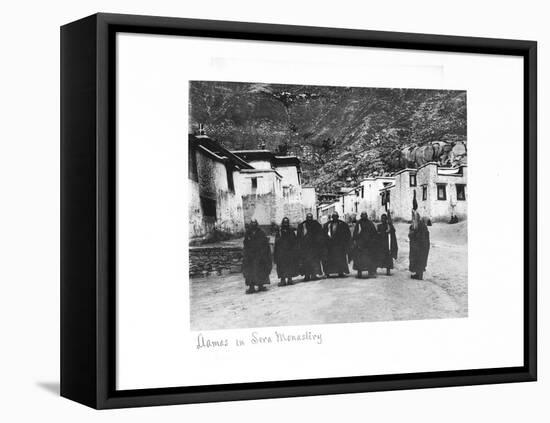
<point x="441" y="192"/>
<point x="324" y="211"/>
<point x="370" y="195"/>
<point x="281" y="194"/>
<point x="215" y="199"/>
<point x="262" y="193"/>
<point x="309" y="200"/>
<point x="231" y="188"/>
<point x="364" y="197"/>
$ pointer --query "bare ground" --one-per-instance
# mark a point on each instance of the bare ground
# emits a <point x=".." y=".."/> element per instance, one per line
<point x="219" y="302"/>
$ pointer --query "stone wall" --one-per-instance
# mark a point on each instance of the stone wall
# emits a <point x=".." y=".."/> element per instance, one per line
<point x="206" y="261"/>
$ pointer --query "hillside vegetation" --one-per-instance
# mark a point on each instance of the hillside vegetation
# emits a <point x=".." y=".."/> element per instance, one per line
<point x="341" y="134"/>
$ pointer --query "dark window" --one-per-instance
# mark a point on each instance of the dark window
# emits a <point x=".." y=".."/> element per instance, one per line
<point x="193" y="172"/>
<point x="412" y="180"/>
<point x="461" y="192"/>
<point x="254" y="183"/>
<point x="441" y="191"/>
<point x="208" y="207"/>
<point x="385" y="197"/>
<point x="424" y="193"/>
<point x="230" y="182"/>
<point x="362" y="192"/>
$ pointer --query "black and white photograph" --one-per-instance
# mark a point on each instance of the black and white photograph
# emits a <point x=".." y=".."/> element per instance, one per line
<point x="247" y="211"/>
<point x="313" y="205"/>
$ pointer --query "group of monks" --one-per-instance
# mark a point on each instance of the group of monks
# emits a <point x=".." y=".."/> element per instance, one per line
<point x="316" y="251"/>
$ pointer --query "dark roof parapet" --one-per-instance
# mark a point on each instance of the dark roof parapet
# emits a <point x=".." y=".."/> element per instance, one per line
<point x="217" y="150"/>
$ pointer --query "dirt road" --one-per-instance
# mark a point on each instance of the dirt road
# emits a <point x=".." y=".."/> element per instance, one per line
<point x="220" y="303"/>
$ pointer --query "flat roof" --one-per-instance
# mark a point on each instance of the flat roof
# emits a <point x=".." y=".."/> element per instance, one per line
<point x="374" y="178"/>
<point x="267" y="155"/>
<point x="254" y="171"/>
<point x="251" y="151"/>
<point x="287" y="160"/>
<point x="217" y="151"/>
<point x="387" y="187"/>
<point x="450" y="171"/>
<point x="407" y="169"/>
<point x="326" y="206"/>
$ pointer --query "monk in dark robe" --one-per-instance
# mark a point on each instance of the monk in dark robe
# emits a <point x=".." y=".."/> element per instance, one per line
<point x="388" y="244"/>
<point x="365" y="247"/>
<point x="338" y="240"/>
<point x="256" y="258"/>
<point x="311" y="244"/>
<point x="286" y="253"/>
<point x="419" y="238"/>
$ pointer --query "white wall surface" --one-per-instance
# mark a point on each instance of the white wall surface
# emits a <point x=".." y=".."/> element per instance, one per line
<point x="29" y="232"/>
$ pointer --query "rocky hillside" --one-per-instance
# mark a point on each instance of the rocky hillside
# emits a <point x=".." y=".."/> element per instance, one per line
<point x="342" y="134"/>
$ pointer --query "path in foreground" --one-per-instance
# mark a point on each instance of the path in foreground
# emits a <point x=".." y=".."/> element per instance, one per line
<point x="219" y="302"/>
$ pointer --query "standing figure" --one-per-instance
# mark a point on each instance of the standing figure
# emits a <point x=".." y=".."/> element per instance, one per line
<point x="338" y="239"/>
<point x="388" y="244"/>
<point x="286" y="253"/>
<point x="365" y="247"/>
<point x="256" y="258"/>
<point x="419" y="238"/>
<point x="311" y="245"/>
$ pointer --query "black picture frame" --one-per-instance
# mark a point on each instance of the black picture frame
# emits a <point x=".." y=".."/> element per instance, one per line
<point x="88" y="199"/>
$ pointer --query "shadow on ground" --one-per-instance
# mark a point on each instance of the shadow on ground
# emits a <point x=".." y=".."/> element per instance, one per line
<point x="51" y="387"/>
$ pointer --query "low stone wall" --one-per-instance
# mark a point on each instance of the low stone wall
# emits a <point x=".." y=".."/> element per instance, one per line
<point x="205" y="260"/>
